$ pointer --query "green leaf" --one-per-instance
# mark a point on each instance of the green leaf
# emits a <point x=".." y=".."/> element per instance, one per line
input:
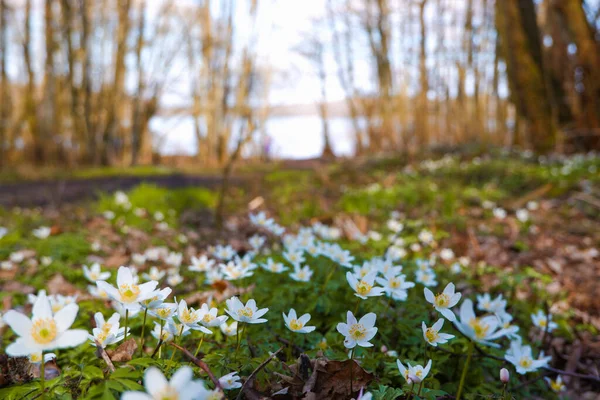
<point x="91" y="372"/>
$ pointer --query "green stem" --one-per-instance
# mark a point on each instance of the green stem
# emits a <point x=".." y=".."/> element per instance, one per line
<point x="420" y="388"/>
<point x="143" y="331"/>
<point x="199" y="345"/>
<point x="464" y="372"/>
<point x="412" y="387"/>
<point x="126" y="323"/>
<point x="239" y="341"/>
<point x="43" y="377"/>
<point x="357" y="305"/>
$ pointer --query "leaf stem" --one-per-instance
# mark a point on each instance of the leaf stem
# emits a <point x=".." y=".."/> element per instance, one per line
<point x="464" y="372"/>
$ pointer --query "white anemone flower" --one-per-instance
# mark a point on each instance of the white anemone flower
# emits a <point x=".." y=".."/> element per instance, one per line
<point x="232" y="271"/>
<point x="229" y="329"/>
<point x="190" y="317"/>
<point x="94" y="273"/>
<point x="543" y="322"/>
<point x="201" y="264"/>
<point x="209" y="318"/>
<point x="480" y="329"/>
<point x="230" y="381"/>
<point x="295" y="257"/>
<point x="158" y="297"/>
<point x="298" y="325"/>
<point x="520" y="356"/>
<point x="224" y="252"/>
<point x="45" y="330"/>
<point x="494" y="306"/>
<point x="164" y="311"/>
<point x="180" y="387"/>
<point x="358" y="332"/>
<point x="174" y="279"/>
<point x="128" y="293"/>
<point x="273" y="266"/>
<point x="161" y="333"/>
<point x="364" y="287"/>
<point x="154" y="274"/>
<point x="42" y="232"/>
<point x="247" y="313"/>
<point x="556" y="385"/>
<point x="3" y="232"/>
<point x="395" y="286"/>
<point x="433" y="336"/>
<point x="426" y="277"/>
<point x="301" y="274"/>
<point x="174" y="259"/>
<point x="257" y="241"/>
<point x="444" y="301"/>
<point x="413" y="374"/>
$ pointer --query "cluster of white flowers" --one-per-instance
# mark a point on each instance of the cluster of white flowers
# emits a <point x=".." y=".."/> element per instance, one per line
<point x="52" y="316"/>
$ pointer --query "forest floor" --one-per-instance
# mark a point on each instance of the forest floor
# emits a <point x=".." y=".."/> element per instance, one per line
<point x="554" y="250"/>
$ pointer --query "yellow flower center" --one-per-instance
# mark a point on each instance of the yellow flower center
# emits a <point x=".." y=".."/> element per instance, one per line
<point x="94" y="275"/>
<point x="163" y="312"/>
<point x="35" y="357"/>
<point x="208" y="318"/>
<point x="394" y="284"/>
<point x="106" y="327"/>
<point x="363" y="288"/>
<point x="188" y="317"/>
<point x="101" y="337"/>
<point x="442" y="300"/>
<point x="168" y="393"/>
<point x="480" y="328"/>
<point x="357" y="331"/>
<point x="296" y="325"/>
<point x="556" y="386"/>
<point x="431" y="335"/>
<point x="246" y="312"/>
<point x="44" y="330"/>
<point x="542" y="322"/>
<point x="419" y="373"/>
<point x="525" y="362"/>
<point x="129" y="292"/>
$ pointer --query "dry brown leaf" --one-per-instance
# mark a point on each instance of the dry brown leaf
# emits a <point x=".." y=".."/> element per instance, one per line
<point x="116" y="260"/>
<point x="59" y="285"/>
<point x="14" y="286"/>
<point x="124" y="352"/>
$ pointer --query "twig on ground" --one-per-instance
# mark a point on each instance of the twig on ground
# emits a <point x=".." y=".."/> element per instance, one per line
<point x="102" y="353"/>
<point x="200" y="364"/>
<point x="256" y="371"/>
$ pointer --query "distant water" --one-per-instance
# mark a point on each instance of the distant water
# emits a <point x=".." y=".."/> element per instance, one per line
<point x="294" y="137"/>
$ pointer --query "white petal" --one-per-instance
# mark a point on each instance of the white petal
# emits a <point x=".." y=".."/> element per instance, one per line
<point x="154" y="381"/>
<point x="20" y="348"/>
<point x="65" y="317"/>
<point x="342" y="328"/>
<point x="368" y="320"/>
<point x="136" y="396"/>
<point x="449" y="289"/>
<point x="429" y="295"/>
<point x="180" y="378"/>
<point x="124" y="276"/>
<point x="18" y="322"/>
<point x="439" y="324"/>
<point x="41" y="307"/>
<point x="448" y="314"/>
<point x="70" y="338"/>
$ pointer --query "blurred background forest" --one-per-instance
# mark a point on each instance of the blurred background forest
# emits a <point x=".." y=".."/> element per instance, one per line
<point x="101" y="82"/>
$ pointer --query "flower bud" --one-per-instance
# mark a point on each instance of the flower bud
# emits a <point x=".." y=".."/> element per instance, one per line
<point x="504" y="375"/>
<point x="384" y="349"/>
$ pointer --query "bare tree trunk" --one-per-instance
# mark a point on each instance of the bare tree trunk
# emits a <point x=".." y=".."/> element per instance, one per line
<point x="136" y="118"/>
<point x="422" y="111"/>
<point x="522" y="51"/>
<point x="5" y="103"/>
<point x="116" y="97"/>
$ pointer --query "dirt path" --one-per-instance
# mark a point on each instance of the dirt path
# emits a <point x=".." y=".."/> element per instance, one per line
<point x="57" y="192"/>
